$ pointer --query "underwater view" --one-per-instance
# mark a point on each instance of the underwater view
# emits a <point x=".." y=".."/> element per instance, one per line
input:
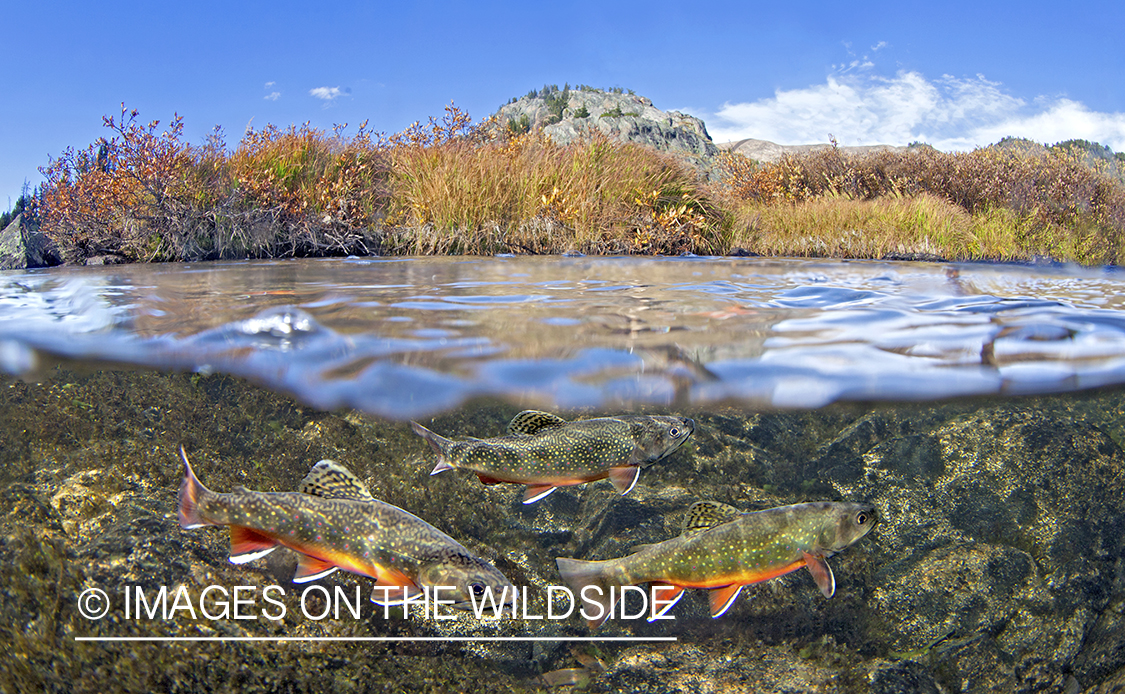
<point x="525" y="474"/>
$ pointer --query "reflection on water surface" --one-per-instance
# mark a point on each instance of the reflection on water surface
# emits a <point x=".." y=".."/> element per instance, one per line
<point x="407" y="337"/>
<point x="996" y="564"/>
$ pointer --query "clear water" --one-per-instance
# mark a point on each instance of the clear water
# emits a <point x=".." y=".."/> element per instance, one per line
<point x="976" y="406"/>
<point x="407" y="338"/>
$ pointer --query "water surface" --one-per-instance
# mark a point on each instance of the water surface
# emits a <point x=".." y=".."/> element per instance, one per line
<point x="404" y="338"/>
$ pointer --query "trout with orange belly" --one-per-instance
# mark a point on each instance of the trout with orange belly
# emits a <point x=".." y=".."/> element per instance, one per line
<point x="545" y="452"/>
<point x="334" y="523"/>
<point x="723" y="549"/>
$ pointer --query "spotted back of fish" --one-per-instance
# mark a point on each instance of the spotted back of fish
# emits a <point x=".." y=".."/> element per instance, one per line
<point x="545" y="448"/>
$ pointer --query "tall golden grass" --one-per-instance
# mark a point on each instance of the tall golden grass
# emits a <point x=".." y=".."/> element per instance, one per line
<point x="451" y="186"/>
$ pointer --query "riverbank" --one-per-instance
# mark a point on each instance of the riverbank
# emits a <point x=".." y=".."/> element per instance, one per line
<point x="455" y="187"/>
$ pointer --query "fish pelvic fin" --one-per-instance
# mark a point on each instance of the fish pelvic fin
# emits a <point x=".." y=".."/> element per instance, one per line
<point x="588" y="581"/>
<point x="247" y="544"/>
<point x="722" y="598"/>
<point x="311" y="568"/>
<point x="191" y="490"/>
<point x="624" y="478"/>
<point x="537" y="492"/>
<point x="821" y="573"/>
<point x="439" y="445"/>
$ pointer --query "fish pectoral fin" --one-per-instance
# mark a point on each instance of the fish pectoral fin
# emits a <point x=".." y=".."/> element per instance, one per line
<point x="821" y="573"/>
<point x="392" y="587"/>
<point x="311" y="568"/>
<point x="624" y="478"/>
<point x="442" y="466"/>
<point x="383" y="595"/>
<point x="247" y="544"/>
<point x="536" y="492"/>
<point x="722" y="598"/>
<point x="485" y="479"/>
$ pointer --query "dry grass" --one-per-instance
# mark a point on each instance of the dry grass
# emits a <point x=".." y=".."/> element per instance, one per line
<point x="452" y="187"/>
<point x="1012" y="205"/>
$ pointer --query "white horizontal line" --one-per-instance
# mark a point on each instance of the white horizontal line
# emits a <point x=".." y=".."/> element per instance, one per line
<point x="375" y="638"/>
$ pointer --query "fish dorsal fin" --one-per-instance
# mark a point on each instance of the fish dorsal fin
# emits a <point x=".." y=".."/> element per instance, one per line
<point x="533" y="421"/>
<point x="330" y="480"/>
<point x="704" y="515"/>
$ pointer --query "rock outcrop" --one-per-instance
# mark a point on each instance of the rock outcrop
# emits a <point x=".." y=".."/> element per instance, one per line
<point x="22" y="246"/>
<point x="567" y="114"/>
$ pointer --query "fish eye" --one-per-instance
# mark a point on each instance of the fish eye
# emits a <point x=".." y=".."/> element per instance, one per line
<point x="674" y="432"/>
<point x="477" y="589"/>
<point x="862" y="518"/>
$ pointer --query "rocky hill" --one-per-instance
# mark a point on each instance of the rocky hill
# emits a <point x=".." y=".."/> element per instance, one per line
<point x="566" y="114"/>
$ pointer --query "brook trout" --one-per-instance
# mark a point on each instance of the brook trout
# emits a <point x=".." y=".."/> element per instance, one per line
<point x="333" y="523"/>
<point x="545" y="452"/>
<point x="723" y="549"/>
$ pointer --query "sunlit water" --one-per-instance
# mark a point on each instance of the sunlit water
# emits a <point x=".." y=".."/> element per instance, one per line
<point x="403" y="338"/>
<point x="998" y="561"/>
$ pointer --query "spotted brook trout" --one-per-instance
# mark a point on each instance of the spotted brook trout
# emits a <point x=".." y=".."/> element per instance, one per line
<point x="723" y="549"/>
<point x="333" y="523"/>
<point x="545" y="452"/>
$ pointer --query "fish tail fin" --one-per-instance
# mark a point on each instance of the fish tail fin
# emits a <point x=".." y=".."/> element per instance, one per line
<point x="438" y="443"/>
<point x="191" y="489"/>
<point x="593" y="590"/>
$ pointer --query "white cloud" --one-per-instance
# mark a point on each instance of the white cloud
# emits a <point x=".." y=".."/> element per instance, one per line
<point x="272" y="96"/>
<point x="269" y="84"/>
<point x="326" y="93"/>
<point x="950" y="113"/>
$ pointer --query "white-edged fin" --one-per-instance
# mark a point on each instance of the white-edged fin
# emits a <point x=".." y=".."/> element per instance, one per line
<point x="394" y="595"/>
<point x="821" y="573"/>
<point x="673" y="593"/>
<point x="624" y="478"/>
<point x="311" y="568"/>
<point x="250" y="556"/>
<point x="330" y="480"/>
<point x="247" y="544"/>
<point x="442" y="466"/>
<point x="535" y="493"/>
<point x="533" y="421"/>
<point x="722" y="598"/>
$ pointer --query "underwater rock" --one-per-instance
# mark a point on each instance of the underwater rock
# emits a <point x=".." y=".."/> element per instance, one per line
<point x="996" y="564"/>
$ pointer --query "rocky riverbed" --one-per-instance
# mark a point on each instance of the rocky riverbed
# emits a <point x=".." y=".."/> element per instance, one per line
<point x="998" y="563"/>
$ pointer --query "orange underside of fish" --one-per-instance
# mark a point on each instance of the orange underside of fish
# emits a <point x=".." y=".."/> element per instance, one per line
<point x="542" y="480"/>
<point x="384" y="576"/>
<point x="745" y="577"/>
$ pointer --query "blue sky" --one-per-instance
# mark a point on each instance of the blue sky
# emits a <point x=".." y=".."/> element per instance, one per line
<point x="955" y="74"/>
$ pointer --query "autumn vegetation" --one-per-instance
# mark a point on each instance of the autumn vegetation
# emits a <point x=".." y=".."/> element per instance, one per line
<point x="454" y="187"/>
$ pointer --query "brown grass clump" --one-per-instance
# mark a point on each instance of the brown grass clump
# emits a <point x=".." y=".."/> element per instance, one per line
<point x="497" y="191"/>
<point x="1015" y="204"/>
